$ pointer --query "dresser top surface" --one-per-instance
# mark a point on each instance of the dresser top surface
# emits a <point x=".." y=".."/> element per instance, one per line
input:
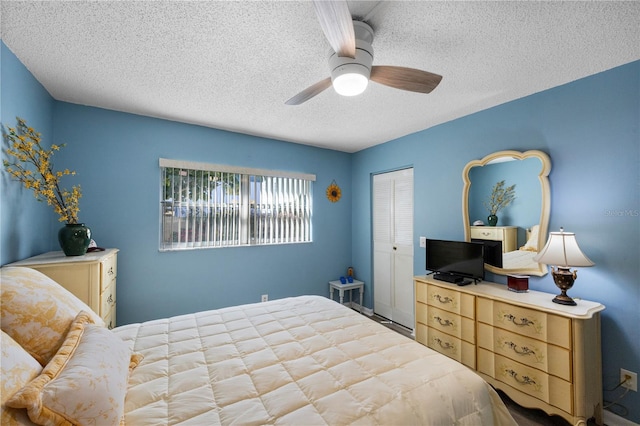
<point x="54" y="257"/>
<point x="532" y="299"/>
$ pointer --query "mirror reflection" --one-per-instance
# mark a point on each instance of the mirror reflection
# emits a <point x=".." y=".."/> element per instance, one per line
<point x="514" y="237"/>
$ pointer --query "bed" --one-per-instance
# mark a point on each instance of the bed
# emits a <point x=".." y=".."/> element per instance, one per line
<point x="299" y="360"/>
<point x="523" y="257"/>
<point x="519" y="259"/>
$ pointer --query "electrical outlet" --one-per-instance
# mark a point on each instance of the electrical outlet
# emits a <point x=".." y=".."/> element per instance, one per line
<point x="423" y="242"/>
<point x="632" y="382"/>
<point x="265" y="297"/>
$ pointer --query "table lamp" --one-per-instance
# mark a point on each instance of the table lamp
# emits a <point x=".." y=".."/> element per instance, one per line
<point x="562" y="251"/>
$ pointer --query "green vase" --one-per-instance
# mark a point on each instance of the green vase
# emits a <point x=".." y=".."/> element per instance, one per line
<point x="74" y="238"/>
<point x="492" y="219"/>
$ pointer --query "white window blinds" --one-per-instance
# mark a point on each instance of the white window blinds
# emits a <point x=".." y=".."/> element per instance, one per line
<point x="208" y="205"/>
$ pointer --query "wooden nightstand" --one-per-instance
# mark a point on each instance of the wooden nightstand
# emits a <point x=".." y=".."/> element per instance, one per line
<point x="91" y="278"/>
<point x="508" y="235"/>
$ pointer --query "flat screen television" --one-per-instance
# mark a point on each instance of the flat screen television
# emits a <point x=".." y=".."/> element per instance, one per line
<point x="455" y="261"/>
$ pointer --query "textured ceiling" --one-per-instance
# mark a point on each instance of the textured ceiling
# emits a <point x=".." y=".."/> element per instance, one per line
<point x="232" y="65"/>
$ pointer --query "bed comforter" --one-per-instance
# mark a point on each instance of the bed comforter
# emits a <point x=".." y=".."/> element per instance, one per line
<point x="519" y="259"/>
<point x="303" y="360"/>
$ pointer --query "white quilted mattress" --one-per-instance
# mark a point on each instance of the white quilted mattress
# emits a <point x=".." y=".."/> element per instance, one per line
<point x="304" y="360"/>
<point x="519" y="259"/>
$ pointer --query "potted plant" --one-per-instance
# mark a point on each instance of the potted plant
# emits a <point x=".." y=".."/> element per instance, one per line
<point x="32" y="165"/>
<point x="500" y="198"/>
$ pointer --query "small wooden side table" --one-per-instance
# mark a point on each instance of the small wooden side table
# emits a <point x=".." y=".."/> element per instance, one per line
<point x="337" y="285"/>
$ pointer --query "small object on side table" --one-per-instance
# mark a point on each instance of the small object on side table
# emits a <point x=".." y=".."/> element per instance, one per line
<point x="518" y="283"/>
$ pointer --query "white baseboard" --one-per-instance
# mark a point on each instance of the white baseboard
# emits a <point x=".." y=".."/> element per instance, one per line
<point x="613" y="419"/>
<point x="353" y="305"/>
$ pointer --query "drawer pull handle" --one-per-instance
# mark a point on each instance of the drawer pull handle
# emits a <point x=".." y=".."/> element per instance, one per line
<point x="444" y="323"/>
<point x="523" y="321"/>
<point x="524" y="351"/>
<point x="441" y="299"/>
<point x="110" y="326"/>
<point x="443" y="345"/>
<point x="110" y="271"/>
<point x="526" y="380"/>
<point x="110" y="299"/>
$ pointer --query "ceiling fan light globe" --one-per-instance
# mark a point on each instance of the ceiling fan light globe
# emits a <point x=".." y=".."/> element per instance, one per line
<point x="350" y="84"/>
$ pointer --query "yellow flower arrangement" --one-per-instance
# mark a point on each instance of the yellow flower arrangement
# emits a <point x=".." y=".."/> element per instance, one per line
<point x="333" y="192"/>
<point x="31" y="164"/>
<point x="500" y="197"/>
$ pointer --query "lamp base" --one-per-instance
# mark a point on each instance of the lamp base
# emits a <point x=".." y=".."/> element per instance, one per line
<point x="564" y="279"/>
<point x="563" y="299"/>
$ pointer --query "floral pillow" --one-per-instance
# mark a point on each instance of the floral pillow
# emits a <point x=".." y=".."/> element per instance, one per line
<point x="84" y="383"/>
<point x="37" y="311"/>
<point x="18" y="369"/>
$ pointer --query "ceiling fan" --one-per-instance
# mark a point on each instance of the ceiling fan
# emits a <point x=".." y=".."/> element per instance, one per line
<point x="351" y="63"/>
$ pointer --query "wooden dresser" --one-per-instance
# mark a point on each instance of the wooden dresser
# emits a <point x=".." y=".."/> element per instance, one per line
<point x="92" y="277"/>
<point x="508" y="235"/>
<point x="543" y="355"/>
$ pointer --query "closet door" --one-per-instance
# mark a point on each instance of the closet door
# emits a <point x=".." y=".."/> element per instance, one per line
<point x="393" y="246"/>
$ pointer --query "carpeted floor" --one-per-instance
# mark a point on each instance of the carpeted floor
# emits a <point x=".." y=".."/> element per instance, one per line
<point x="523" y="416"/>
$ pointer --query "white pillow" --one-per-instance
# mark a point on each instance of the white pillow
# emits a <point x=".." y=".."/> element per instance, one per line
<point x="84" y="383"/>
<point x="18" y="369"/>
<point x="37" y="311"/>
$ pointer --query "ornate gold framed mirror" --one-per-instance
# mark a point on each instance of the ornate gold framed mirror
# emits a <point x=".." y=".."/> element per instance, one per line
<point x="522" y="224"/>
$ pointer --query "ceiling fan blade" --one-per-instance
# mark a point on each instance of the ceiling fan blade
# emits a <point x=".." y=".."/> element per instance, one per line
<point x="337" y="25"/>
<point x="403" y="78"/>
<point x="310" y="92"/>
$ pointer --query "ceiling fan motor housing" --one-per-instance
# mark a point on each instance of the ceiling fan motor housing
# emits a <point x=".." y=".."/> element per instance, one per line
<point x="345" y="67"/>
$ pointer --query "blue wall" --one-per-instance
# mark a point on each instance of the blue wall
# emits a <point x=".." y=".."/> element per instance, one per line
<point x="116" y="157"/>
<point x="525" y="209"/>
<point x="25" y="224"/>
<point x="589" y="128"/>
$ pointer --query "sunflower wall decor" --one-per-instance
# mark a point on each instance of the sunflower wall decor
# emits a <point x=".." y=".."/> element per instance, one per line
<point x="333" y="192"/>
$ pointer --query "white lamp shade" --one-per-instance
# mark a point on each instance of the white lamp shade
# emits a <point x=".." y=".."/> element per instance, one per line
<point x="562" y="250"/>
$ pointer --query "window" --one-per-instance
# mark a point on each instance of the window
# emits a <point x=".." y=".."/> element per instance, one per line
<point x="208" y="205"/>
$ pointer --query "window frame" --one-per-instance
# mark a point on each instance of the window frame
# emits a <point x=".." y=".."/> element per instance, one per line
<point x="286" y="215"/>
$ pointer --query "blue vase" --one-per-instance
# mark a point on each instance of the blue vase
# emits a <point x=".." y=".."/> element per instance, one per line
<point x="74" y="239"/>
<point x="492" y="219"/>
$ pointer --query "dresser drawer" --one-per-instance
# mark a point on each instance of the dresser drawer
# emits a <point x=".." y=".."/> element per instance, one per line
<point x="110" y="318"/>
<point x="421" y="292"/>
<point x="461" y="351"/>
<point x="527" y="322"/>
<point x="451" y="301"/>
<point x="540" y="385"/>
<point x="488" y="233"/>
<point x="530" y="352"/>
<point x="108" y="300"/>
<point x="455" y="325"/>
<point x="109" y="271"/>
